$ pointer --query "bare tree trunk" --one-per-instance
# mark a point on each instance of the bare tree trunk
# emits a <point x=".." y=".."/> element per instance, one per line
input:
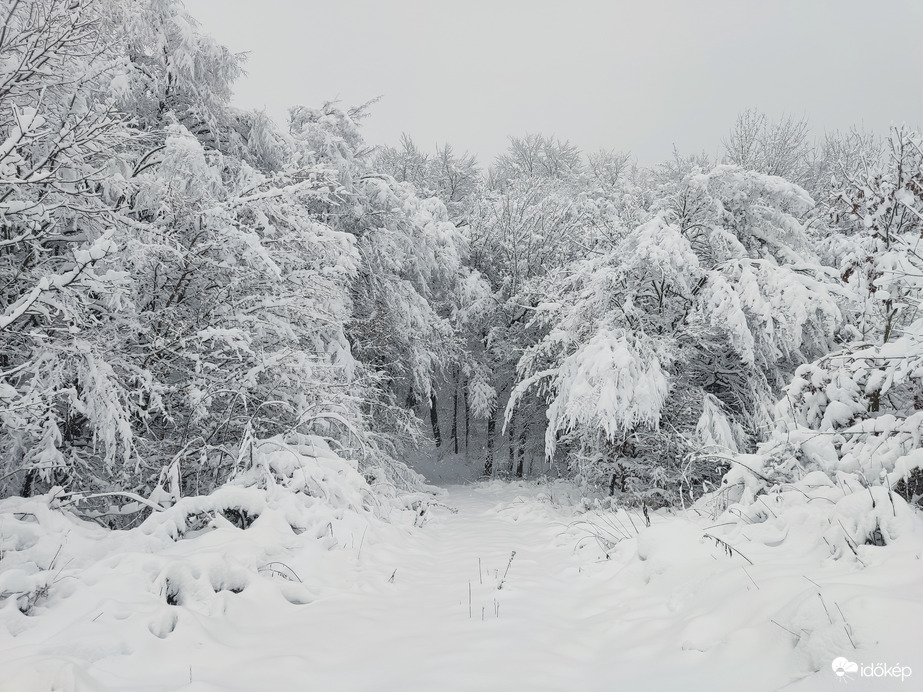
<point x="491" y="437"/>
<point x="28" y="483"/>
<point x="521" y="447"/>
<point x="434" y="419"/>
<point x="455" y="411"/>
<point x="514" y="419"/>
<point x="467" y="414"/>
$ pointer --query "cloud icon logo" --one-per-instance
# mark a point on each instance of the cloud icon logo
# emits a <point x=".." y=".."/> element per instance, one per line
<point x="841" y="666"/>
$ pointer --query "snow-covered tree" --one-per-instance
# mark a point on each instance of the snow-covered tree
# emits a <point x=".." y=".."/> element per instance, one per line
<point x="70" y="397"/>
<point x="857" y="409"/>
<point x="679" y="336"/>
<point x="453" y="178"/>
<point x="180" y="277"/>
<point x="779" y="148"/>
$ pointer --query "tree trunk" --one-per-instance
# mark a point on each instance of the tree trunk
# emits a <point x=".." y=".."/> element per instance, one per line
<point x="874" y="402"/>
<point x="28" y="483"/>
<point x="514" y="419"/>
<point x="434" y="419"/>
<point x="491" y="436"/>
<point x="455" y="412"/>
<point x="521" y="448"/>
<point x="467" y="414"/>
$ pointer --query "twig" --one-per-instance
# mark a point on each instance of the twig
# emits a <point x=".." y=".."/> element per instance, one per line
<point x="851" y="544"/>
<point x="796" y="636"/>
<point x="729" y="549"/>
<point x="825" y="607"/>
<point x="763" y="502"/>
<point x="792" y="486"/>
<point x="846" y="629"/>
<point x="633" y="521"/>
<point x="55" y="558"/>
<point x="811" y="580"/>
<point x="70" y="498"/>
<point x="269" y="568"/>
<point x="500" y="585"/>
<point x="361" y="541"/>
<point x="868" y="487"/>
<point x="846" y="625"/>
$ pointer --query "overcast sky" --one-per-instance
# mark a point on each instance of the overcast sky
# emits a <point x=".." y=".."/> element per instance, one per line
<point x="633" y="76"/>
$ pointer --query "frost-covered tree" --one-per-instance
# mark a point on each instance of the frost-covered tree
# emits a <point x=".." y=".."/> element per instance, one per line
<point x="179" y="277"/>
<point x="679" y="336"/>
<point x="857" y="409"/>
<point x="533" y="216"/>
<point x="453" y="178"/>
<point x="70" y="398"/>
<point x="456" y="181"/>
<point x="412" y="274"/>
<point x="780" y="148"/>
<point x="839" y="157"/>
<point x="877" y="214"/>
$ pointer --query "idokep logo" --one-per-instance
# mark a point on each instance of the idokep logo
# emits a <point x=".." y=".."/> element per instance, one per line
<point x="844" y="668"/>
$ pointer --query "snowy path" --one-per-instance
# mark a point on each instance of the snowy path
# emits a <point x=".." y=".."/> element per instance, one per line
<point x="669" y="610"/>
<point x="553" y="626"/>
<point x="539" y="632"/>
<point x="419" y="633"/>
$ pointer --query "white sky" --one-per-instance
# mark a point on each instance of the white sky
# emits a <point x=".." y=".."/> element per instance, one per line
<point x="635" y="76"/>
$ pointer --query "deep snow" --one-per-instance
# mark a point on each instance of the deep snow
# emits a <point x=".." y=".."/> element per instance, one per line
<point x="388" y="608"/>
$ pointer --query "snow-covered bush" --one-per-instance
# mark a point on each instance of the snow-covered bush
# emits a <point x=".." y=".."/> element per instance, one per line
<point x="285" y="530"/>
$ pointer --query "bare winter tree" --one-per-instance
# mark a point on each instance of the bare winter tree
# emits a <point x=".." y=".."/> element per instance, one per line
<point x="607" y="167"/>
<point x="780" y="148"/>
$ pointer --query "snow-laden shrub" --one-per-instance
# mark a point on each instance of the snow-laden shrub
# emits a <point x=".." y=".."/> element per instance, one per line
<point x="840" y="471"/>
<point x="850" y="418"/>
<point x="267" y="530"/>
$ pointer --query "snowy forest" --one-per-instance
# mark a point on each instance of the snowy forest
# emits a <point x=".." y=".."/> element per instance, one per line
<point x="230" y="349"/>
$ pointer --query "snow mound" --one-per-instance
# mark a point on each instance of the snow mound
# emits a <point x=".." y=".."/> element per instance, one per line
<point x="282" y="533"/>
<point x="794" y="575"/>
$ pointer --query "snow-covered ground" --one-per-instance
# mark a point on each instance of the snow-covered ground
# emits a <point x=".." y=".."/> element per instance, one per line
<point x="503" y="587"/>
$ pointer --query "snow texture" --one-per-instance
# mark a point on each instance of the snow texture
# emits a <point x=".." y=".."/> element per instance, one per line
<point x="504" y="586"/>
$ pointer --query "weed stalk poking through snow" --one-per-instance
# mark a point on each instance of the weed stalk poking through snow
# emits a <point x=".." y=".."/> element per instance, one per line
<point x="507" y="571"/>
